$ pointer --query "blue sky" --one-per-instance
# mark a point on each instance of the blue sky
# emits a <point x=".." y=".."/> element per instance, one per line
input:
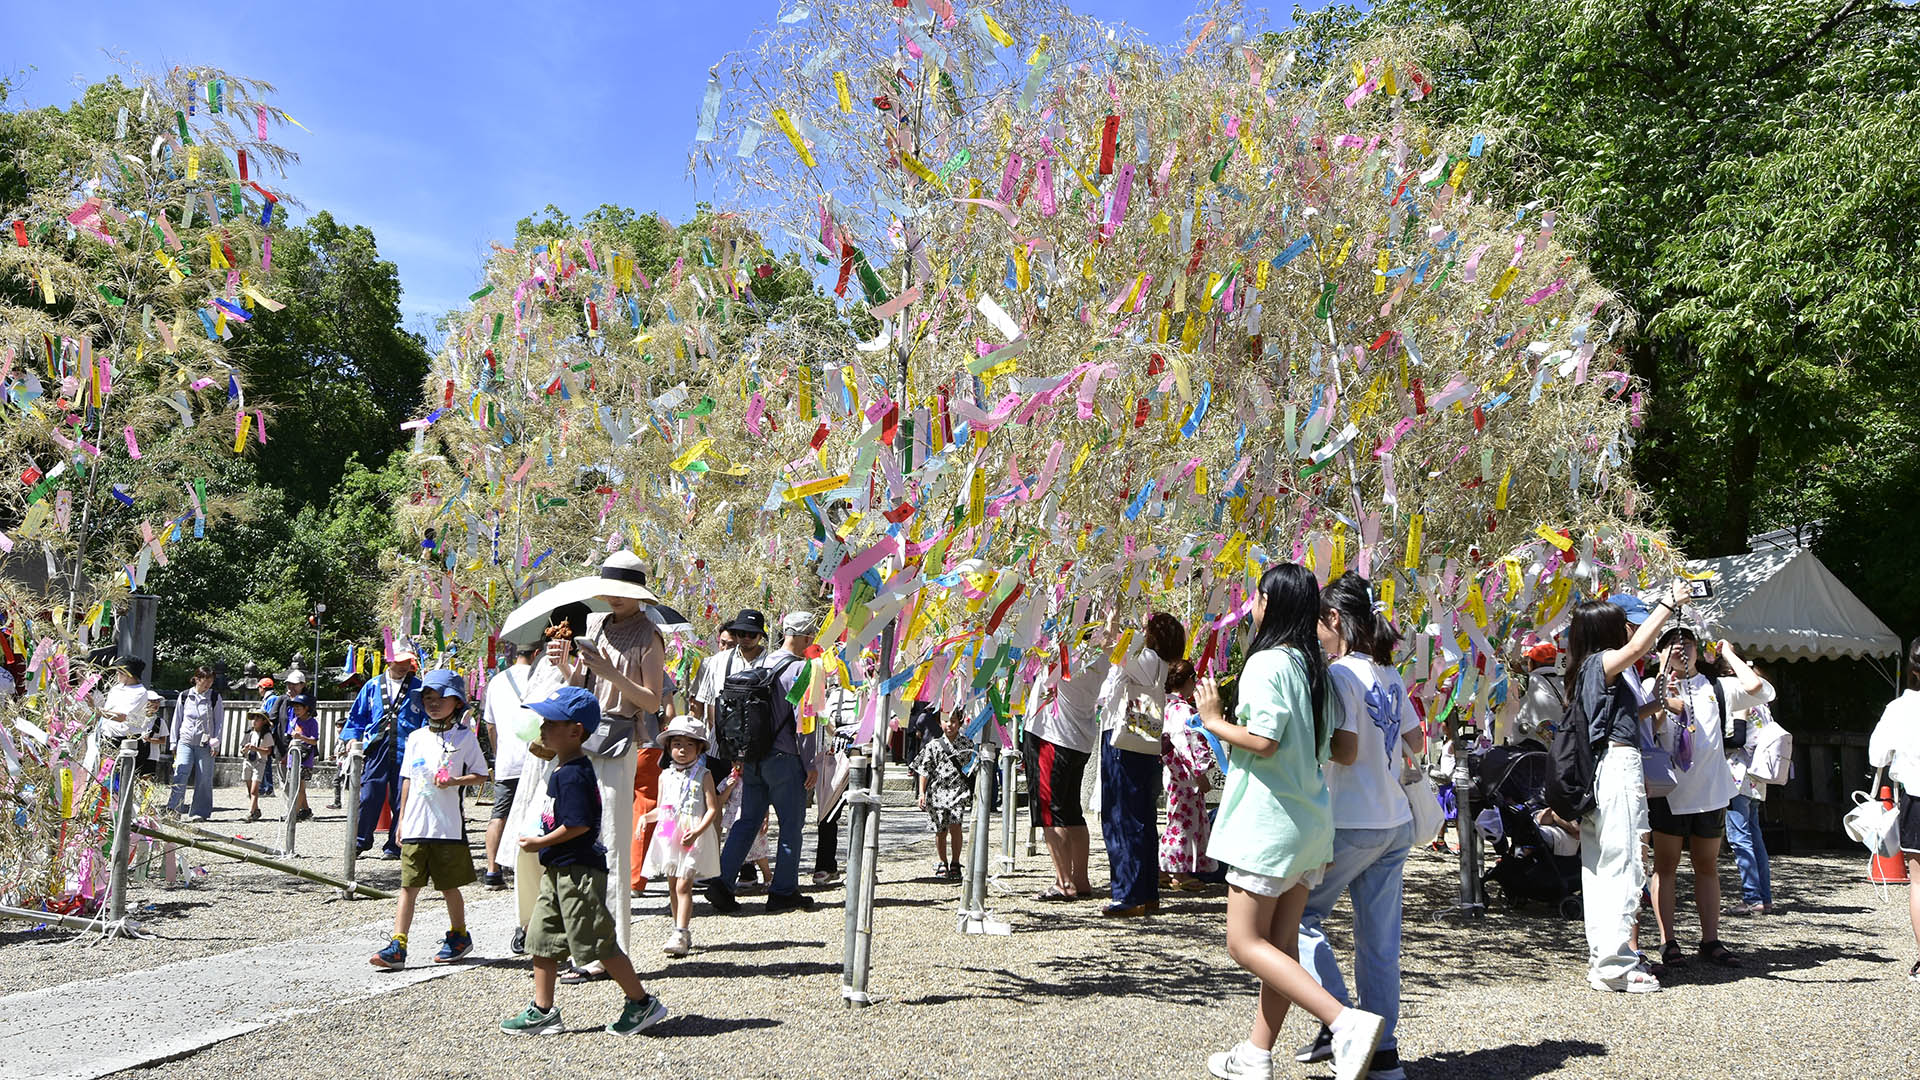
<point x="439" y="125"/>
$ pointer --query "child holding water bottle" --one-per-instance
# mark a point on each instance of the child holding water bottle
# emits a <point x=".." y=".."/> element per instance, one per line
<point x="684" y="847"/>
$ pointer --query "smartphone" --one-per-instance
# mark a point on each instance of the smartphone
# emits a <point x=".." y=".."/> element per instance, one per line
<point x="1700" y="588"/>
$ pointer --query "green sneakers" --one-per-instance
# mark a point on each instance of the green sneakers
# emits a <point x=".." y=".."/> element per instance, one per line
<point x="533" y="1022"/>
<point x="635" y="1018"/>
<point x="638" y="1016"/>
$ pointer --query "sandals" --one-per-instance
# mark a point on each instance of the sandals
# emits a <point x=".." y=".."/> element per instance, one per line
<point x="575" y="975"/>
<point x="1713" y="952"/>
<point x="1670" y="956"/>
<point x="1053" y="893"/>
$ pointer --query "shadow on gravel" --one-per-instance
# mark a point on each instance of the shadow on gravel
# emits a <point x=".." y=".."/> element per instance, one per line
<point x="698" y="1026"/>
<point x="682" y="969"/>
<point x="1767" y="963"/>
<point x="761" y="946"/>
<point x="1514" y="1062"/>
<point x="1122" y="969"/>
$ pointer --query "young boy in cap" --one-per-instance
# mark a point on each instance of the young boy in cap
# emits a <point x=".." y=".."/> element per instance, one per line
<point x="571" y="915"/>
<point x="440" y="758"/>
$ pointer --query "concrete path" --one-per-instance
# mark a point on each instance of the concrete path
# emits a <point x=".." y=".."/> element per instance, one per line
<point x="82" y="1030"/>
<point x="86" y="1029"/>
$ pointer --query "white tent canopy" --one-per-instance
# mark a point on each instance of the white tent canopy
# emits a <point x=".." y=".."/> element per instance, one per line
<point x="1782" y="603"/>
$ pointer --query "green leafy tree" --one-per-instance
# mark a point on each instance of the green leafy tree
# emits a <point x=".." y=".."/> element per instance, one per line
<point x="1742" y="176"/>
<point x="337" y="368"/>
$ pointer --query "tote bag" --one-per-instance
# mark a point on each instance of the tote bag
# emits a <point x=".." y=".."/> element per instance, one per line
<point x="1424" y="801"/>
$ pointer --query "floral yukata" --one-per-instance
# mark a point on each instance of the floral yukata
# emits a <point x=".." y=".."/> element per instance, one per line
<point x="944" y="762"/>
<point x="1186" y="758"/>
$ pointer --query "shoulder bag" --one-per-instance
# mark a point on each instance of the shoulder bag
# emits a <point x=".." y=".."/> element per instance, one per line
<point x="1139" y="732"/>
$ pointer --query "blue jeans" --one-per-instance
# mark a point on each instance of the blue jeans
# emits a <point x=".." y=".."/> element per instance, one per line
<point x="1749" y="850"/>
<point x="379" y="786"/>
<point x="195" y="763"/>
<point x="1367" y="863"/>
<point x="1129" y="820"/>
<point x="778" y="781"/>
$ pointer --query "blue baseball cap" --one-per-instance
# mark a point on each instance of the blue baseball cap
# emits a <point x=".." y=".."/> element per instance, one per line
<point x="569" y="705"/>
<point x="1636" y="608"/>
<point x="446" y="684"/>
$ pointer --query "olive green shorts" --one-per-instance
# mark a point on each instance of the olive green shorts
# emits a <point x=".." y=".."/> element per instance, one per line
<point x="571" y="918"/>
<point x="443" y="864"/>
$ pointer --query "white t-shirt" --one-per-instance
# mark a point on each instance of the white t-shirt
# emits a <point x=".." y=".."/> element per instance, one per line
<point x="1374" y="706"/>
<point x="713" y="673"/>
<point x="506" y="692"/>
<point x="129" y="702"/>
<point x="1708" y="785"/>
<point x="1141" y="675"/>
<point x="433" y="812"/>
<point x="1073" y="720"/>
<point x="1895" y="744"/>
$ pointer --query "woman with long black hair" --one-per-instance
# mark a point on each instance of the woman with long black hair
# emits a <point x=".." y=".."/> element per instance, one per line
<point x="1602" y="652"/>
<point x="1274" y="829"/>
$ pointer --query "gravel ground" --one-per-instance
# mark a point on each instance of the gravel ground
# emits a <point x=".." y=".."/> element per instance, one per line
<point x="1069" y="992"/>
<point x="221" y="904"/>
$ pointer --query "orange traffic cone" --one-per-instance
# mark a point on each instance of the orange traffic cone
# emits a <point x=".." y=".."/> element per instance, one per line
<point x="386" y="822"/>
<point x="1887" y="869"/>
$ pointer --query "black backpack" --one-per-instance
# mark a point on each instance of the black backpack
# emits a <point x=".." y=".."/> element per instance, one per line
<point x="745" y="712"/>
<point x="1570" y="764"/>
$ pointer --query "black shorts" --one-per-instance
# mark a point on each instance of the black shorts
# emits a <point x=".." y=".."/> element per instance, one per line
<point x="1054" y="775"/>
<point x="1910" y="825"/>
<point x="503" y="798"/>
<point x="1706" y="823"/>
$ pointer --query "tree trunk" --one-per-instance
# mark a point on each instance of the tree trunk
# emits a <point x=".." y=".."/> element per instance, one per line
<point x="1742" y="463"/>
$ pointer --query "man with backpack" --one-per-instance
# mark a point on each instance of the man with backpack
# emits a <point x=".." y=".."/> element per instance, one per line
<point x="755" y="726"/>
<point x="748" y="634"/>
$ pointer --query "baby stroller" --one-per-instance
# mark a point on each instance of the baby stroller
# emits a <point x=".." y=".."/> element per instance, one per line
<point x="1513" y="781"/>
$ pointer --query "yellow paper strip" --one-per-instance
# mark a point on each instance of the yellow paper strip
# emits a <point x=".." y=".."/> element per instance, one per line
<point x="792" y="133"/>
<point x="680" y="463"/>
<point x="815" y="487"/>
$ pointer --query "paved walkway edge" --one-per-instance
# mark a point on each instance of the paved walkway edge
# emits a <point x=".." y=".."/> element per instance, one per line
<point x="87" y="1029"/>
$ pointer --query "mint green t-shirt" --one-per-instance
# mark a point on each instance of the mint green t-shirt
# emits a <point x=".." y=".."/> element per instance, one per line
<point x="1275" y="817"/>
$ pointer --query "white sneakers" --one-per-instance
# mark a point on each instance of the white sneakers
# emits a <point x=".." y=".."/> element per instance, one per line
<point x="1243" y="1062"/>
<point x="1356" y="1035"/>
<point x="679" y="942"/>
<point x="1636" y="981"/>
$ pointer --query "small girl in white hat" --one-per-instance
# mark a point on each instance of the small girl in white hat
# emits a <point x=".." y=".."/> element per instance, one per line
<point x="685" y="848"/>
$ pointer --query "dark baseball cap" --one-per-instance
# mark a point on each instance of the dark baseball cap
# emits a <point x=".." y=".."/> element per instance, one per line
<point x="569" y="705"/>
<point x="748" y="621"/>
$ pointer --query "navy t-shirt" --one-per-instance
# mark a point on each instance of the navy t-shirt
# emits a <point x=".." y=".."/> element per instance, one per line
<point x="576" y="801"/>
<point x="1612" y="707"/>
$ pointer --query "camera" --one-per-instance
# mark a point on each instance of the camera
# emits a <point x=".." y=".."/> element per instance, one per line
<point x="1700" y="588"/>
